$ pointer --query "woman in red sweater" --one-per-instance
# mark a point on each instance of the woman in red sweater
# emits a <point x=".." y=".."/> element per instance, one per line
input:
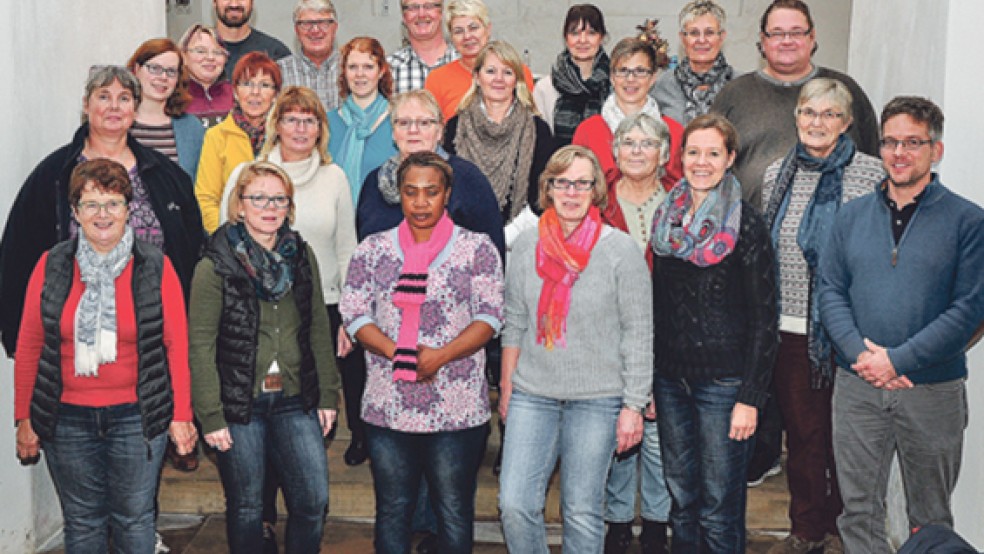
<point x="101" y="369"/>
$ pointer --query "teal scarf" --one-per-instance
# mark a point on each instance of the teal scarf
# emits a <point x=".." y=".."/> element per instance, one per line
<point x="361" y="124"/>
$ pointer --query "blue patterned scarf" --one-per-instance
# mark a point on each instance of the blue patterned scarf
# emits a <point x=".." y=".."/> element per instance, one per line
<point x="711" y="235"/>
<point x="270" y="271"/>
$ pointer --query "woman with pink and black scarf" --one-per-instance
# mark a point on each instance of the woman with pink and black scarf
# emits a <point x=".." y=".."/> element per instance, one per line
<point x="423" y="298"/>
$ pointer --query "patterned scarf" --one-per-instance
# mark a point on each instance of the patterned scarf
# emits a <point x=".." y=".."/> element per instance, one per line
<point x="411" y="291"/>
<point x="270" y="271"/>
<point x="256" y="133"/>
<point x="559" y="262"/>
<point x="699" y="98"/>
<point x="388" y="186"/>
<point x="712" y="233"/>
<point x="813" y="235"/>
<point x="95" y="317"/>
<point x="361" y="124"/>
<point x="579" y="99"/>
<point x="503" y="151"/>
<point x="614" y="115"/>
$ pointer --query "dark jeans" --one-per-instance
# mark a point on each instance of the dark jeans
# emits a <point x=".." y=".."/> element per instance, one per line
<point x="449" y="461"/>
<point x="353" y="371"/>
<point x="279" y="432"/>
<point x="106" y="478"/>
<point x="704" y="469"/>
<point x="815" y="500"/>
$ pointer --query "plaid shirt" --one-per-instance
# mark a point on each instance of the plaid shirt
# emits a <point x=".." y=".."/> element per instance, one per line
<point x="409" y="71"/>
<point x="298" y="70"/>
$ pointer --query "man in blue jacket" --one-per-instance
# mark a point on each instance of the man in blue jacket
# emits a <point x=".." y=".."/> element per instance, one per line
<point x="902" y="292"/>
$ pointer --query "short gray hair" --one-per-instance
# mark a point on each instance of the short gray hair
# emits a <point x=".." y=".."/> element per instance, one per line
<point x="822" y="87"/>
<point x="104" y="75"/>
<point x="422" y="97"/>
<point x="320" y="6"/>
<point x="696" y="8"/>
<point x="651" y="127"/>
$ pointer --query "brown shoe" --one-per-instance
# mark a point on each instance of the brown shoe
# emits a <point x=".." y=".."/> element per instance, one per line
<point x="794" y="545"/>
<point x="832" y="544"/>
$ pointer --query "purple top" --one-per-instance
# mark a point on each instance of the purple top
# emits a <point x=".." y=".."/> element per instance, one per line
<point x="210" y="105"/>
<point x="464" y="284"/>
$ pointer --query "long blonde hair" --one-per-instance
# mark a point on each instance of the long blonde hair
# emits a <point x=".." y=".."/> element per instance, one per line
<point x="509" y="56"/>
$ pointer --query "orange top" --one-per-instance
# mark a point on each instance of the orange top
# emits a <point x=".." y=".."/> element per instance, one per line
<point x="451" y="81"/>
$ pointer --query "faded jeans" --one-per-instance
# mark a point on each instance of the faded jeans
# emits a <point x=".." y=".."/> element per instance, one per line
<point x="642" y="471"/>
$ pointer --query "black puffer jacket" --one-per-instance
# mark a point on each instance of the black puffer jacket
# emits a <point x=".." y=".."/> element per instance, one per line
<point x="154" y="394"/>
<point x="235" y="355"/>
<point x="721" y="320"/>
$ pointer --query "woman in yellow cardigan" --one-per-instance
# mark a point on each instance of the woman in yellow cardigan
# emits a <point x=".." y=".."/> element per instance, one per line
<point x="240" y="135"/>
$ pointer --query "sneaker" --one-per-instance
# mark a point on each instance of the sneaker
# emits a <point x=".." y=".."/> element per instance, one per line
<point x="619" y="538"/>
<point x="832" y="544"/>
<point x="159" y="546"/>
<point x="776" y="469"/>
<point x="794" y="545"/>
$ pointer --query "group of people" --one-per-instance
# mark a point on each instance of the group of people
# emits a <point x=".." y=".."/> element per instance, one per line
<point x="654" y="266"/>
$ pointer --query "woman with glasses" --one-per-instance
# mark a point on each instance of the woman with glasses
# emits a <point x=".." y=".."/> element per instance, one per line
<point x="205" y="58"/>
<point x="579" y="80"/>
<point x="714" y="300"/>
<point x="633" y="74"/>
<point x="264" y="380"/>
<point x="241" y="134"/>
<point x="423" y="298"/>
<point x="417" y="127"/>
<point x="101" y="371"/>
<point x="802" y="194"/>
<point x="690" y="88"/>
<point x="470" y="28"/>
<point x="577" y="357"/>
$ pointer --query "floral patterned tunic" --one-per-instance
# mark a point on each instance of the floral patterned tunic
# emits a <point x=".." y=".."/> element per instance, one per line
<point x="464" y="284"/>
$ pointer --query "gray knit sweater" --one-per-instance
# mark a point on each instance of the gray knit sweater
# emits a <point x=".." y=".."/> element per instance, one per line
<point x="609" y="348"/>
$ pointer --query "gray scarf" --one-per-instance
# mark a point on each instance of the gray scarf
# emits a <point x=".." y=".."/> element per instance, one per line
<point x="95" y="318"/>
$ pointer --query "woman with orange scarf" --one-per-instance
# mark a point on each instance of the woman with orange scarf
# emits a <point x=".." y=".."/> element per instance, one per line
<point x="576" y="357"/>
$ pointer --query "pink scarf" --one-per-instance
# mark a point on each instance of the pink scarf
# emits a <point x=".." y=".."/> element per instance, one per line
<point x="411" y="291"/>
<point x="559" y="262"/>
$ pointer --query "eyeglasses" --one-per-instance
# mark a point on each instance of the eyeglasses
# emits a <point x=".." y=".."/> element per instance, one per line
<point x="795" y="34"/>
<point x="113" y="207"/>
<point x="202" y="52"/>
<point x="264" y="86"/>
<point x="910" y="144"/>
<point x="157" y="70"/>
<point x="810" y="114"/>
<point x="262" y="201"/>
<point x="293" y="121"/>
<point x="426" y="7"/>
<point x="462" y="31"/>
<point x="565" y="184"/>
<point x="644" y="144"/>
<point x="309" y="24"/>
<point x="697" y="34"/>
<point x="404" y="123"/>
<point x="637" y="72"/>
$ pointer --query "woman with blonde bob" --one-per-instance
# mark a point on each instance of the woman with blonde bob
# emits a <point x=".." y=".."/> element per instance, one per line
<point x="577" y="357"/>
<point x="499" y="129"/>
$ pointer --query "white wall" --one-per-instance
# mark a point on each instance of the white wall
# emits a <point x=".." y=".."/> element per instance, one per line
<point x="48" y="46"/>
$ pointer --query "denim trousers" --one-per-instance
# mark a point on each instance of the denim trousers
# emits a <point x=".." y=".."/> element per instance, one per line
<point x="924" y="426"/>
<point x="448" y="461"/>
<point x="538" y="431"/>
<point x="642" y="470"/>
<point x="281" y="433"/>
<point x="705" y="470"/>
<point x="105" y="474"/>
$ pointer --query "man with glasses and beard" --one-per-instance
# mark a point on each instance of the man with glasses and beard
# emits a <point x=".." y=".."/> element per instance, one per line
<point x="238" y="37"/>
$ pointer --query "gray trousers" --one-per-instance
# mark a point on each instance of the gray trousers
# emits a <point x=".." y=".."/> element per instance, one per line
<point x="924" y="425"/>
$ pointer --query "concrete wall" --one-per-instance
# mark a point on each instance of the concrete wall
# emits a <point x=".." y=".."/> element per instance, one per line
<point x="536" y="25"/>
<point x="49" y="45"/>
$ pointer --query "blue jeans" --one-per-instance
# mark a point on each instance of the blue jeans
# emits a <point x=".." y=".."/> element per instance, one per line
<point x="705" y="470"/>
<point x="538" y="430"/>
<point x="449" y="461"/>
<point x="106" y="478"/>
<point x="642" y="471"/>
<point x="279" y="432"/>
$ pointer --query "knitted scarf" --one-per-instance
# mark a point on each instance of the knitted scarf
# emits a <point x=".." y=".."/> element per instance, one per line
<point x="559" y="262"/>
<point x="270" y="271"/>
<point x="579" y="98"/>
<point x="256" y="133"/>
<point x="712" y="233"/>
<point x="813" y="234"/>
<point x="699" y="98"/>
<point x="95" y="317"/>
<point x="361" y="125"/>
<point x="503" y="151"/>
<point x="614" y="115"/>
<point x="388" y="187"/>
<point x="411" y="291"/>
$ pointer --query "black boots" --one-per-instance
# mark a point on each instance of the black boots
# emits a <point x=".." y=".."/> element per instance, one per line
<point x="653" y="537"/>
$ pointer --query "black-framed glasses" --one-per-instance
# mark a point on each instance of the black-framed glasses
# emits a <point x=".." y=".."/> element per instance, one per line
<point x="795" y="34"/>
<point x="309" y="24"/>
<point x="580" y="185"/>
<point x="112" y="207"/>
<point x="637" y="72"/>
<point x="262" y="201"/>
<point x="158" y="69"/>
<point x="910" y="144"/>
